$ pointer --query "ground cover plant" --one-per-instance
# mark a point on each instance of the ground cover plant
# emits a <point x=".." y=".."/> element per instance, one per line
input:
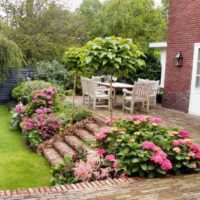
<point x="42" y="111"/>
<point x="19" y="166"/>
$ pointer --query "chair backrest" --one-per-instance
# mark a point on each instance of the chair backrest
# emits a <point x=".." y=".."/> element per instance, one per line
<point x="154" y="85"/>
<point x="97" y="78"/>
<point x="91" y="87"/>
<point x="142" y="80"/>
<point x="141" y="91"/>
<point x="84" y="85"/>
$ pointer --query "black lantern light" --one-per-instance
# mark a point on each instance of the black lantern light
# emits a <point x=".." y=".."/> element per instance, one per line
<point x="178" y="60"/>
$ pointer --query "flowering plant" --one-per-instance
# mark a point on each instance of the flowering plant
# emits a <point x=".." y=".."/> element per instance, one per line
<point x="17" y="114"/>
<point x="43" y="121"/>
<point x="143" y="146"/>
<point x="97" y="166"/>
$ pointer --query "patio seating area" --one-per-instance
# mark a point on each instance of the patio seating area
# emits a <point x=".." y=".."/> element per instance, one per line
<point x="143" y="92"/>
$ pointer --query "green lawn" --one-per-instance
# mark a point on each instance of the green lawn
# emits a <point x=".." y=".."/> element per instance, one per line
<point x="19" y="166"/>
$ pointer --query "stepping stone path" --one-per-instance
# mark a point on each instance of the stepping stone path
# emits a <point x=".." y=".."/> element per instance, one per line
<point x="75" y="139"/>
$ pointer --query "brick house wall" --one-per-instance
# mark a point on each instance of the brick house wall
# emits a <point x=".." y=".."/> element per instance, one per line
<point x="183" y="32"/>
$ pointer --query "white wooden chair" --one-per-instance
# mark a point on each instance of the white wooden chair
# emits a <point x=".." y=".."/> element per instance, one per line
<point x="98" y="93"/>
<point x="154" y="91"/>
<point x="140" y="94"/>
<point x="85" y="91"/>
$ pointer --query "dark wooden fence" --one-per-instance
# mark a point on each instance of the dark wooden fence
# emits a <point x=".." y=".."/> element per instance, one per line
<point x="13" y="78"/>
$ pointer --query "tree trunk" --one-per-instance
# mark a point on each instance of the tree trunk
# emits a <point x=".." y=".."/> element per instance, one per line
<point x="111" y="97"/>
<point x="74" y="89"/>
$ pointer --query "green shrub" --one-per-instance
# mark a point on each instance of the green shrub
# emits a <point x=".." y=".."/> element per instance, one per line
<point x="63" y="173"/>
<point x="24" y="90"/>
<point x="32" y="138"/>
<point x="72" y="114"/>
<point x="146" y="148"/>
<point x="53" y="72"/>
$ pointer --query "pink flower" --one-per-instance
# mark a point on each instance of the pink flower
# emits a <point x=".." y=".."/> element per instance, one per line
<point x="19" y="108"/>
<point x="157" y="158"/>
<point x="100" y="136"/>
<point x="184" y="134"/>
<point x="197" y="155"/>
<point x="191" y="154"/>
<point x="155" y="120"/>
<point x="177" y="142"/>
<point x="104" y="130"/>
<point x="194" y="166"/>
<point x="139" y="118"/>
<point x="82" y="171"/>
<point x="166" y="165"/>
<point x="110" y="157"/>
<point x="115" y="165"/>
<point x="111" y="121"/>
<point x="148" y="145"/>
<point x="101" y="151"/>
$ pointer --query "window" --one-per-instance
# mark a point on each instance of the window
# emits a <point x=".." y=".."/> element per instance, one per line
<point x="197" y="85"/>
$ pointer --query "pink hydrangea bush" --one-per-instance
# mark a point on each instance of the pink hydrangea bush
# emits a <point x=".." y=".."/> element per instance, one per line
<point x="43" y="121"/>
<point x="143" y="146"/>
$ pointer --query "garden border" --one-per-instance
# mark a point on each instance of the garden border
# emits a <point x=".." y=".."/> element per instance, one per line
<point x="64" y="188"/>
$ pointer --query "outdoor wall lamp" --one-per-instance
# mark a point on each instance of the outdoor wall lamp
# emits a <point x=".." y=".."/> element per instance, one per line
<point x="178" y="60"/>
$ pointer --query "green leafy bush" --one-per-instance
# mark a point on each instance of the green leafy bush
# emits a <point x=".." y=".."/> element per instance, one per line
<point x="32" y="138"/>
<point x="63" y="173"/>
<point x="146" y="148"/>
<point x="24" y="90"/>
<point x="53" y="72"/>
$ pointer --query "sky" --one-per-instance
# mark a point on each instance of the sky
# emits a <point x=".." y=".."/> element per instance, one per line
<point x="73" y="4"/>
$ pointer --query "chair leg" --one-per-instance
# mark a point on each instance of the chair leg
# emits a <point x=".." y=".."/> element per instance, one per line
<point x="94" y="104"/>
<point x="154" y="101"/>
<point x="83" y="96"/>
<point x="123" y="105"/>
<point x="132" y="107"/>
<point x="89" y="103"/>
<point x="147" y="106"/>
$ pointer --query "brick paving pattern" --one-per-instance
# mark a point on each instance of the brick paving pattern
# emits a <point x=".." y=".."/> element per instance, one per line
<point x="174" y="188"/>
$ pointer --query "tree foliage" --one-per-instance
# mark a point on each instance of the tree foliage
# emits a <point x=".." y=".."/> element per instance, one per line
<point x="115" y="55"/>
<point x="10" y="57"/>
<point x="44" y="29"/>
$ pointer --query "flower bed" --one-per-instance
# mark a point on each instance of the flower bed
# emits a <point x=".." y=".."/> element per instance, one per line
<point x="133" y="146"/>
<point x="44" y="111"/>
<point x="144" y="147"/>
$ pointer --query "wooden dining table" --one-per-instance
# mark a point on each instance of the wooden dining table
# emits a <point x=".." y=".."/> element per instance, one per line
<point x="116" y="86"/>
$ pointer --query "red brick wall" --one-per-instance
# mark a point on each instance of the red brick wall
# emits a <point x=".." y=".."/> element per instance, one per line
<point x="183" y="32"/>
